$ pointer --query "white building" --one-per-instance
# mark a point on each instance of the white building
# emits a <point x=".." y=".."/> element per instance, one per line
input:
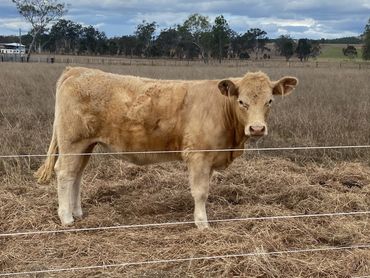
<point x="13" y="48"/>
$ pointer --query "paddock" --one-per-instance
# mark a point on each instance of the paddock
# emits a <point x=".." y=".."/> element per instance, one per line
<point x="296" y="205"/>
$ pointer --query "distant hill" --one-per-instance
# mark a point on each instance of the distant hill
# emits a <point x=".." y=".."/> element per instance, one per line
<point x="344" y="40"/>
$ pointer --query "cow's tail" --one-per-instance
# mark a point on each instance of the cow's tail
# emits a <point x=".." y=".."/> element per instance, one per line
<point x="44" y="173"/>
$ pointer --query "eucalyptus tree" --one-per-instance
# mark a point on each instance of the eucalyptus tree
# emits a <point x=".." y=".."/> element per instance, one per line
<point x="366" y="47"/>
<point x="221" y="35"/>
<point x="199" y="27"/>
<point x="39" y="13"/>
<point x="285" y="46"/>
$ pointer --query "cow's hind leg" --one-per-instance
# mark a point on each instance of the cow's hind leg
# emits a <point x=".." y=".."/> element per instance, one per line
<point x="69" y="170"/>
<point x="199" y="173"/>
<point x="76" y="189"/>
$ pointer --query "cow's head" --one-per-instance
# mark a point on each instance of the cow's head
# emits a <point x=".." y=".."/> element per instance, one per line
<point x="252" y="97"/>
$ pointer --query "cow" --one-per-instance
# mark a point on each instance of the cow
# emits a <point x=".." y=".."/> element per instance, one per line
<point x="134" y="114"/>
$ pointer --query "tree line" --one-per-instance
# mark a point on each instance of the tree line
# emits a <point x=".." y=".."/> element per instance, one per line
<point x="196" y="37"/>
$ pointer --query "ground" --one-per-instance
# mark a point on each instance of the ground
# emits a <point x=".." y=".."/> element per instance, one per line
<point x="335" y="52"/>
<point x="328" y="108"/>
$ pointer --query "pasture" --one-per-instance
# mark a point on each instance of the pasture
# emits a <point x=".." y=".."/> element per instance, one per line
<point x="330" y="107"/>
<point x="335" y="52"/>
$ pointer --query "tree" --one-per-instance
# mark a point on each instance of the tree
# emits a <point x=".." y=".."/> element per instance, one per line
<point x="256" y="40"/>
<point x="65" y="36"/>
<point x="39" y="13"/>
<point x="315" y="49"/>
<point x="350" y="51"/>
<point x="186" y="47"/>
<point x="145" y="36"/>
<point x="221" y="33"/>
<point x="167" y="42"/>
<point x="237" y="45"/>
<point x="303" y="49"/>
<point x="127" y="45"/>
<point x="93" y="41"/>
<point x="199" y="28"/>
<point x="366" y="47"/>
<point x="113" y="46"/>
<point x="285" y="46"/>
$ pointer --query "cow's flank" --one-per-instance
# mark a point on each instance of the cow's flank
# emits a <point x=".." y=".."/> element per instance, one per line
<point x="127" y="113"/>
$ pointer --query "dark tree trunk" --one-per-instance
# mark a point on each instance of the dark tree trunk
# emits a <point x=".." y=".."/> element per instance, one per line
<point x="31" y="47"/>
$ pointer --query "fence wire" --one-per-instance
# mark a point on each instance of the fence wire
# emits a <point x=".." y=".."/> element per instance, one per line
<point x="190" y="151"/>
<point x="181" y="260"/>
<point x="153" y="225"/>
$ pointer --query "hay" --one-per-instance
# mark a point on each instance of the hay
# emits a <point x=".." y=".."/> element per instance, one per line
<point x="115" y="192"/>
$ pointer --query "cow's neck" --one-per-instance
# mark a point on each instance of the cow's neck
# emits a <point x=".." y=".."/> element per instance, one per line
<point x="231" y="123"/>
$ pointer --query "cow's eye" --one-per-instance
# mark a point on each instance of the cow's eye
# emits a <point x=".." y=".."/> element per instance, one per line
<point x="241" y="102"/>
<point x="269" y="102"/>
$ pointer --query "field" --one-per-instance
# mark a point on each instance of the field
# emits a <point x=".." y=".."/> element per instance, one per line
<point x="335" y="52"/>
<point x="330" y="107"/>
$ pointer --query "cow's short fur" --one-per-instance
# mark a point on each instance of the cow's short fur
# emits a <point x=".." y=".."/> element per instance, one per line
<point x="127" y="113"/>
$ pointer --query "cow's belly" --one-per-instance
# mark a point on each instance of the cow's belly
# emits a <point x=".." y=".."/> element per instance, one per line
<point x="223" y="159"/>
<point x="142" y="152"/>
<point x="145" y="159"/>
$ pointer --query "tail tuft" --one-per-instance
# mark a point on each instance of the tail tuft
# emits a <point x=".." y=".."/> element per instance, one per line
<point x="45" y="172"/>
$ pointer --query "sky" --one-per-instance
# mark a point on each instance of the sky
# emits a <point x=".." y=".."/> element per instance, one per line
<point x="300" y="19"/>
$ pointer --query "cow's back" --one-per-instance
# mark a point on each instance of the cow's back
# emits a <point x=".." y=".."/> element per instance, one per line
<point x="124" y="112"/>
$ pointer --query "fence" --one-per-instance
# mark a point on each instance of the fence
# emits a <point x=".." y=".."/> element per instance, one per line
<point x="127" y="61"/>
<point x="151" y="225"/>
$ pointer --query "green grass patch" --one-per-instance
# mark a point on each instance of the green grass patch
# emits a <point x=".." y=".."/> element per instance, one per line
<point x="335" y="51"/>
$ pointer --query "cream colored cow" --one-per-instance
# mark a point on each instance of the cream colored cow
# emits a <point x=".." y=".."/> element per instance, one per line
<point x="127" y="113"/>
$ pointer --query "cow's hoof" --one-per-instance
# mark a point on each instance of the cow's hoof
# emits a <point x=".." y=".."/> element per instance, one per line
<point x="66" y="219"/>
<point x="202" y="226"/>
<point x="67" y="222"/>
<point x="77" y="213"/>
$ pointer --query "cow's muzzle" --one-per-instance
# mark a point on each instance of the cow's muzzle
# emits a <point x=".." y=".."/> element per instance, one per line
<point x="256" y="130"/>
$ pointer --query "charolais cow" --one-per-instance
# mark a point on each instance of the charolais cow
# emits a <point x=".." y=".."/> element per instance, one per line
<point x="134" y="114"/>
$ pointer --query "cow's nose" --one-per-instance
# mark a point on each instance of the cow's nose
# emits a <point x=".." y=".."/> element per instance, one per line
<point x="257" y="130"/>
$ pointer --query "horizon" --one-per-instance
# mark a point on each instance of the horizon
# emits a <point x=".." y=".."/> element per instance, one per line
<point x="312" y="19"/>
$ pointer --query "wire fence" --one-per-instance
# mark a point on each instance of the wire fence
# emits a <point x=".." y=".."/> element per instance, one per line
<point x="190" y="151"/>
<point x="181" y="260"/>
<point x="160" y="61"/>
<point x="151" y="225"/>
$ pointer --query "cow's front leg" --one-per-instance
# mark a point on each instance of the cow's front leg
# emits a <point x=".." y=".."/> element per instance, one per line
<point x="200" y="173"/>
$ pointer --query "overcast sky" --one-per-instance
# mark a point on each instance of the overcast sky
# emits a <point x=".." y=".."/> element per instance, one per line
<point x="305" y="18"/>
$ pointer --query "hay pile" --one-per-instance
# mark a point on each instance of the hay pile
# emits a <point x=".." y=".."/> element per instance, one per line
<point x="115" y="193"/>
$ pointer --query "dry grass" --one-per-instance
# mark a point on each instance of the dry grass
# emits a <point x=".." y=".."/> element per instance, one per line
<point x="329" y="108"/>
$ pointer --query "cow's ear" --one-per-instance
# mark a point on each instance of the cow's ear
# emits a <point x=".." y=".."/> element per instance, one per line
<point x="284" y="86"/>
<point x="227" y="88"/>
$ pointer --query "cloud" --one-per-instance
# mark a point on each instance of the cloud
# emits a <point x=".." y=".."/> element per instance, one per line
<point x="11" y="26"/>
